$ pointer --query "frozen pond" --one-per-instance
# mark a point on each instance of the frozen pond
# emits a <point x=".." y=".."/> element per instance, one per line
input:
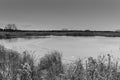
<point x="70" y="47"/>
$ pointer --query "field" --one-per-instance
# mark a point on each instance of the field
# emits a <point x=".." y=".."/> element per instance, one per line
<point x="21" y="66"/>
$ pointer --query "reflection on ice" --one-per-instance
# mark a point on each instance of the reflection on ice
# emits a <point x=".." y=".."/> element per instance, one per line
<point x="70" y="47"/>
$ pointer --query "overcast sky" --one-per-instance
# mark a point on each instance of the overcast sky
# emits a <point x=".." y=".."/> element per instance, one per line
<point x="58" y="14"/>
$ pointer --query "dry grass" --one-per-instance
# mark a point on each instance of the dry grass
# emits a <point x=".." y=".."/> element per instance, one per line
<point x="15" y="66"/>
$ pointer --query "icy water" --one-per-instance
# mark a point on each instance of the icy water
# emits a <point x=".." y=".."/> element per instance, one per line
<point x="70" y="47"/>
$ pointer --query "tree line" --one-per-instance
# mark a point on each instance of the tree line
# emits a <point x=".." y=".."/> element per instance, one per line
<point x="9" y="27"/>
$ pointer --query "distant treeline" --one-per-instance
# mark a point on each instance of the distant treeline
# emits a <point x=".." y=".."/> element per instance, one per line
<point x="11" y="31"/>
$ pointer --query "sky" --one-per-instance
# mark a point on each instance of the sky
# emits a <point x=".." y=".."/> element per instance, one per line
<point x="61" y="14"/>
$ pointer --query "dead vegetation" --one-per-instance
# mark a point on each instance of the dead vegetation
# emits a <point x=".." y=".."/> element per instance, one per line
<point x="16" y="66"/>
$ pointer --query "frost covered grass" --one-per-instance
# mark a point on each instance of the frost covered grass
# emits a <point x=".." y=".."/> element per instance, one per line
<point x="16" y="66"/>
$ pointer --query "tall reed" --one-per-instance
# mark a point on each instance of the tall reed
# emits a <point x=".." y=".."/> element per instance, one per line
<point x="16" y="66"/>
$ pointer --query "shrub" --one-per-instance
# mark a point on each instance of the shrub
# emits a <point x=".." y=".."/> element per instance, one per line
<point x="51" y="65"/>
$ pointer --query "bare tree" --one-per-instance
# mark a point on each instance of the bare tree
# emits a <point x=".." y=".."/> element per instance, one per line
<point x="10" y="27"/>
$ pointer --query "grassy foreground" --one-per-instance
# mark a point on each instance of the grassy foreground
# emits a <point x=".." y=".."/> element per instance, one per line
<point x="16" y="66"/>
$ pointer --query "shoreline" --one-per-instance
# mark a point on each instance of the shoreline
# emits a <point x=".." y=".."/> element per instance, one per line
<point x="7" y="34"/>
